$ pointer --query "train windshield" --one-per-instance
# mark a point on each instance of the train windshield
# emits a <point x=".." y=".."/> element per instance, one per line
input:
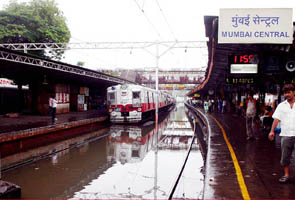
<point x="135" y="95"/>
<point x="111" y="97"/>
<point x="136" y="102"/>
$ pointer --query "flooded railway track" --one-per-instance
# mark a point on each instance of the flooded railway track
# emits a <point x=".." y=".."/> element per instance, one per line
<point x="119" y="162"/>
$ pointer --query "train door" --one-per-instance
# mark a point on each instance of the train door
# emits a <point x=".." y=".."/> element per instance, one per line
<point x="136" y="101"/>
<point x="148" y="100"/>
<point x="111" y="98"/>
<point x="153" y="101"/>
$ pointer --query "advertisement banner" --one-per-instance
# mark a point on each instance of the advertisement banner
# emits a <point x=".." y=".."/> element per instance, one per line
<point x="81" y="99"/>
<point x="58" y="97"/>
<point x="255" y="25"/>
<point x="5" y="81"/>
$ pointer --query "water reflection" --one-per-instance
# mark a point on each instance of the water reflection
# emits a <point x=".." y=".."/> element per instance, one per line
<point x="147" y="163"/>
<point x="133" y="162"/>
<point x="56" y="149"/>
<point x="178" y="135"/>
<point x="129" y="144"/>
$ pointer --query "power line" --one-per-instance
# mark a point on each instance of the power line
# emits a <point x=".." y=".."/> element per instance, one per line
<point x="143" y="3"/>
<point x="166" y="46"/>
<point x="165" y="18"/>
<point x="149" y="21"/>
<point x="105" y="45"/>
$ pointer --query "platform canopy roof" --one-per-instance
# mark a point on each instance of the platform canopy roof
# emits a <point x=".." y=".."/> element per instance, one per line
<point x="218" y="73"/>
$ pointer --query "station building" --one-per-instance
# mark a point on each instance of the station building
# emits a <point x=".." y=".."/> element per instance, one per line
<point x="27" y="82"/>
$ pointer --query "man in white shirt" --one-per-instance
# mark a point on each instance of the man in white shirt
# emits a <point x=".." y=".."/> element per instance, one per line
<point x="285" y="114"/>
<point x="52" y="107"/>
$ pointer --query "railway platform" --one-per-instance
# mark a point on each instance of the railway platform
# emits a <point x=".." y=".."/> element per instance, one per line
<point x="22" y="126"/>
<point x="237" y="168"/>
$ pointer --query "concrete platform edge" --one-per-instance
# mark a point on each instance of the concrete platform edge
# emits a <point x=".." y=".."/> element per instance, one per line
<point x="16" y="135"/>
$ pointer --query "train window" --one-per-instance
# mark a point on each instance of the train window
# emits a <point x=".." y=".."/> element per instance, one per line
<point x="136" y="95"/>
<point x="135" y="153"/>
<point x="111" y="96"/>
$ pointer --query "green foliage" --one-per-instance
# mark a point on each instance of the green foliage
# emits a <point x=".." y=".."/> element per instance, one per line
<point x="38" y="21"/>
<point x="80" y="63"/>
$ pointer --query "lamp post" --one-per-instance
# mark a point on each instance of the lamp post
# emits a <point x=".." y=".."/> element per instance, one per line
<point x="156" y="121"/>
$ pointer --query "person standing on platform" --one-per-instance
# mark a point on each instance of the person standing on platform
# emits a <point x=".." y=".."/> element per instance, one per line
<point x="285" y="114"/>
<point x="250" y="116"/>
<point x="223" y="106"/>
<point x="52" y="108"/>
<point x="209" y="105"/>
<point x="241" y="108"/>
<point x="213" y="105"/>
<point x="219" y="104"/>
<point x="206" y="106"/>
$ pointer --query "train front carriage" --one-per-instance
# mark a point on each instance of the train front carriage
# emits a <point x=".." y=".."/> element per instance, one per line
<point x="132" y="103"/>
<point x="125" y="103"/>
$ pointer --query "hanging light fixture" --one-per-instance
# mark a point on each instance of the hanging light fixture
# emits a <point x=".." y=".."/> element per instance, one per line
<point x="44" y="80"/>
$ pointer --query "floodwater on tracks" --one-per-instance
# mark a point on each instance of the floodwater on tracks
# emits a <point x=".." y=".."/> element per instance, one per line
<point x="130" y="162"/>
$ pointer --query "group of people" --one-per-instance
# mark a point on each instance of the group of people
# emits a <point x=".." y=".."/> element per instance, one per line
<point x="284" y="115"/>
<point x="210" y="105"/>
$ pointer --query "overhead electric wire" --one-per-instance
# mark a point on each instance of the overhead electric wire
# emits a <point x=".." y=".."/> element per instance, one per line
<point x="150" y="22"/>
<point x="143" y="2"/>
<point x="165" y="18"/>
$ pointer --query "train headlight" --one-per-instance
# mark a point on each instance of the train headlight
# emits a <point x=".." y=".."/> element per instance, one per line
<point x="113" y="114"/>
<point x="139" y="109"/>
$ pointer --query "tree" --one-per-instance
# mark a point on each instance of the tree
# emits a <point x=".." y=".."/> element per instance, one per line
<point x="80" y="63"/>
<point x="38" y="21"/>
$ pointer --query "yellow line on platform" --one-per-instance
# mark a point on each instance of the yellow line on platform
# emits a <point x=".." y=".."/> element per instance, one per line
<point x="239" y="173"/>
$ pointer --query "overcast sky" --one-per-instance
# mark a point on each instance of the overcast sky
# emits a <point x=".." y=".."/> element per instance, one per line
<point x="141" y="21"/>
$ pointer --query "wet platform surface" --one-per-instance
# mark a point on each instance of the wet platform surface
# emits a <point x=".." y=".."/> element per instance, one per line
<point x="259" y="161"/>
<point x="23" y="122"/>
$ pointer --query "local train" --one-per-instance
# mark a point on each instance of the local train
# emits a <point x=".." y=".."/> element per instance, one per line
<point x="130" y="103"/>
